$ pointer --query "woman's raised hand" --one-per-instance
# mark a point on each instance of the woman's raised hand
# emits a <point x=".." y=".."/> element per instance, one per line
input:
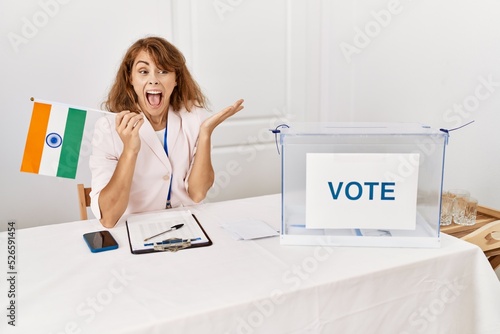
<point x="212" y="122"/>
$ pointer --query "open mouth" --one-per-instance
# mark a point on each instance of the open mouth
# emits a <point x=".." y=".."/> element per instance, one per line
<point x="154" y="98"/>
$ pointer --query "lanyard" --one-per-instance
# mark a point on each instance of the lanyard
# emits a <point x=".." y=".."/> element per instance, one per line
<point x="168" y="205"/>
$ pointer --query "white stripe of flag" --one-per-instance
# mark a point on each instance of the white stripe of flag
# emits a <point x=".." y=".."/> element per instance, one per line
<point x="57" y="124"/>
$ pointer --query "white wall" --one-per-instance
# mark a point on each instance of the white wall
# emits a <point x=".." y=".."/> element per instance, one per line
<point x="283" y="56"/>
<point x="421" y="61"/>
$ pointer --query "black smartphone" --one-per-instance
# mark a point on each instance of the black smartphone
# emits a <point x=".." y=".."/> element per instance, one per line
<point x="100" y="241"/>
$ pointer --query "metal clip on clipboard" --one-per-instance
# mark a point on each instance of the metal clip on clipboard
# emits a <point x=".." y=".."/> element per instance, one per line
<point x="172" y="245"/>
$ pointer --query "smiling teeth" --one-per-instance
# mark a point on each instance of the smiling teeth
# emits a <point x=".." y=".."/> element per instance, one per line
<point x="154" y="92"/>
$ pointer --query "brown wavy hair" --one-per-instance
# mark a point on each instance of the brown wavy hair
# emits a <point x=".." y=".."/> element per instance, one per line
<point x="187" y="93"/>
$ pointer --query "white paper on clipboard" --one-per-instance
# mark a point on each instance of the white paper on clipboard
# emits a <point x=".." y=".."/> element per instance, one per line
<point x="142" y="226"/>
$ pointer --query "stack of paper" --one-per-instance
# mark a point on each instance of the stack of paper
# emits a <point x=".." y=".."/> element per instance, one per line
<point x="249" y="229"/>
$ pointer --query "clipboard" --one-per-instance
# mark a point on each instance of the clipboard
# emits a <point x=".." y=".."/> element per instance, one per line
<point x="142" y="226"/>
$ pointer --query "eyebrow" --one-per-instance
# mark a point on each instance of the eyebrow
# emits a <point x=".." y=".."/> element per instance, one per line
<point x="141" y="61"/>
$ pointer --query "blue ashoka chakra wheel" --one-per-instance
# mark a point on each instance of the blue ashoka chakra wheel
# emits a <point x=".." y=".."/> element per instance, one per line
<point x="54" y="140"/>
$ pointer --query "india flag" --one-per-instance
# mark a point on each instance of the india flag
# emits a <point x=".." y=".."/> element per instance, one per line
<point x="54" y="139"/>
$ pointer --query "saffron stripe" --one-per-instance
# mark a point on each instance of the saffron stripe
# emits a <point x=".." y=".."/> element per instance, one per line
<point x="36" y="138"/>
<point x="72" y="142"/>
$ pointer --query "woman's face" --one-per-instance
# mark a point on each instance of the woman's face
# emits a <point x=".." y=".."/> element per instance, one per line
<point x="153" y="85"/>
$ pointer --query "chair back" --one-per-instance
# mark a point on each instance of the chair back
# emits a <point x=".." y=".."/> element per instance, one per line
<point x="83" y="200"/>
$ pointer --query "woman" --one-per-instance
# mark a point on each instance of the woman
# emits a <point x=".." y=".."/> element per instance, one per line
<point x="155" y="153"/>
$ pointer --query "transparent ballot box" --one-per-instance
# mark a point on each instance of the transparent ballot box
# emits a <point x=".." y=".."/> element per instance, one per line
<point x="361" y="184"/>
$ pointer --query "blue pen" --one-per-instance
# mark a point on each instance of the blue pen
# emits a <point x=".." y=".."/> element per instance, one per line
<point x="171" y="241"/>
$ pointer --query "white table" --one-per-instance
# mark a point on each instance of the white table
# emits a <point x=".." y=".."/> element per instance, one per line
<point x="246" y="286"/>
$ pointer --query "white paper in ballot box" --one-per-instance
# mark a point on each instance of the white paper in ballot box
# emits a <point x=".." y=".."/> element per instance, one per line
<point x="361" y="190"/>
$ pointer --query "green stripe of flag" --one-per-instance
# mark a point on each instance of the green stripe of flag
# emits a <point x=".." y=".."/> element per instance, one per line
<point x="72" y="141"/>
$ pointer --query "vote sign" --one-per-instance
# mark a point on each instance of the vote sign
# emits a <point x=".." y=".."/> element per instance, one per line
<point x="361" y="190"/>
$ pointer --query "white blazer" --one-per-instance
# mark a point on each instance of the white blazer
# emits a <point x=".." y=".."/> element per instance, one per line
<point x="153" y="168"/>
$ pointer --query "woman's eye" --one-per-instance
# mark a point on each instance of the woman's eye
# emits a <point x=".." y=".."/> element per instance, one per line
<point x="162" y="72"/>
<point x="143" y="72"/>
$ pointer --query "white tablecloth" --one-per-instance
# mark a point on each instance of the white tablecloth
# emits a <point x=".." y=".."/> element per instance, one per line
<point x="245" y="287"/>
